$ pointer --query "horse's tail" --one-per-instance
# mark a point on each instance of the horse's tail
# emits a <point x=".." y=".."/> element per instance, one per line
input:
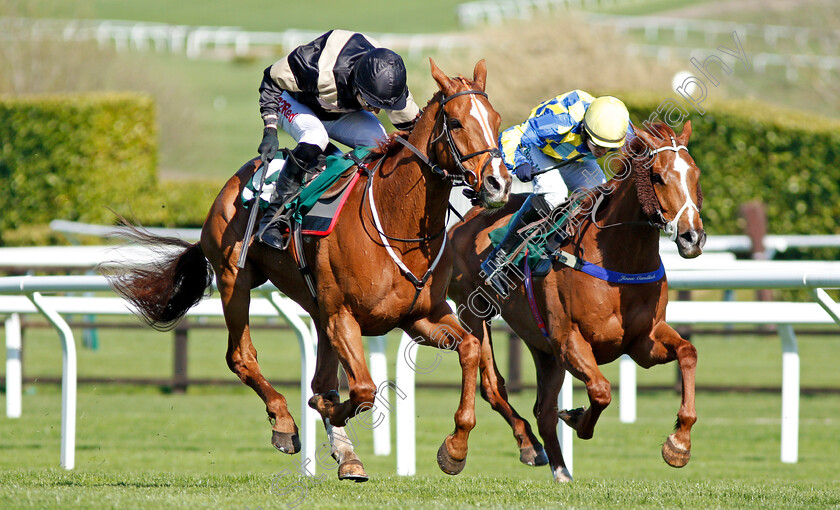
<point x="163" y="291"/>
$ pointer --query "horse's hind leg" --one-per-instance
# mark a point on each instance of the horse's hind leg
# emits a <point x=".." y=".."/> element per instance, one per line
<point x="664" y="345"/>
<point x="242" y="361"/>
<point x="549" y="381"/>
<point x="581" y="363"/>
<point x="494" y="392"/>
<point x="325" y="388"/>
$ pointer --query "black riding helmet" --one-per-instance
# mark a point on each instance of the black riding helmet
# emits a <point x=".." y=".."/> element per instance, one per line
<point x="379" y="76"/>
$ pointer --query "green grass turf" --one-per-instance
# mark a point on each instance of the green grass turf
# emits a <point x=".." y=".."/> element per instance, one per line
<point x="645" y="7"/>
<point x="210" y="449"/>
<point x="263" y="15"/>
<point x="139" y="447"/>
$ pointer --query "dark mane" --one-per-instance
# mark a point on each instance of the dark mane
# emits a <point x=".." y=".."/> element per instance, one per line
<point x="638" y="155"/>
<point x="634" y="155"/>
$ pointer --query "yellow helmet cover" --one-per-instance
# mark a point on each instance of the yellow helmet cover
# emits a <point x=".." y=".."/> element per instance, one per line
<point x="606" y="121"/>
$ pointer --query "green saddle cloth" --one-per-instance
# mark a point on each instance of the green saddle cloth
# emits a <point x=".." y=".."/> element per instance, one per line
<point x="536" y="244"/>
<point x="335" y="166"/>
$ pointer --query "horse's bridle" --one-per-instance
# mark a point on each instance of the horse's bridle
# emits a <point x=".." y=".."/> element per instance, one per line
<point x="670" y="227"/>
<point x="660" y="222"/>
<point x="464" y="175"/>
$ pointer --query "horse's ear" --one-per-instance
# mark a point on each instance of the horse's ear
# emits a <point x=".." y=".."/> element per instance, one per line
<point x="686" y="133"/>
<point x="480" y="74"/>
<point x="444" y="82"/>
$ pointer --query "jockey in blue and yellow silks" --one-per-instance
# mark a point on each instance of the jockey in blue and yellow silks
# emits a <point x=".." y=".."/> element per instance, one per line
<point x="573" y="128"/>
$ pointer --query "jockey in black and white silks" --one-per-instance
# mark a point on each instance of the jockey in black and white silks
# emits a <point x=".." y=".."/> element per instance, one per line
<point x="330" y="88"/>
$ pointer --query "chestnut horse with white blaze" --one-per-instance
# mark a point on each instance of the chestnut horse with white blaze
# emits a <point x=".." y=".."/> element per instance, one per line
<point x="586" y="320"/>
<point x="383" y="267"/>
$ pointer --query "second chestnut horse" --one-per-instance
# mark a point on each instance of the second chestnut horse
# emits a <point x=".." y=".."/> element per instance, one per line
<point x="589" y="321"/>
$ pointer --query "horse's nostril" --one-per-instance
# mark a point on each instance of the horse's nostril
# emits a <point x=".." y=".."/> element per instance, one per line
<point x="492" y="184"/>
<point x="693" y="237"/>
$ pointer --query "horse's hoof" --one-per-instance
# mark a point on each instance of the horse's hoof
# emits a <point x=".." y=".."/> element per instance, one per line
<point x="352" y="470"/>
<point x="571" y="417"/>
<point x="674" y="454"/>
<point x="561" y="475"/>
<point x="447" y="464"/>
<point x="285" y="442"/>
<point x="533" y="455"/>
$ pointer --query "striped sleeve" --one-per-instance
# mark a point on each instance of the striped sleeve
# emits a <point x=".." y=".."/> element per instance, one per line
<point x="511" y="143"/>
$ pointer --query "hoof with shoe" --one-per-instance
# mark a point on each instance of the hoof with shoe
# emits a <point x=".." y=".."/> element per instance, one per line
<point x="447" y="464"/>
<point x="675" y="454"/>
<point x="533" y="455"/>
<point x="351" y="468"/>
<point x="285" y="442"/>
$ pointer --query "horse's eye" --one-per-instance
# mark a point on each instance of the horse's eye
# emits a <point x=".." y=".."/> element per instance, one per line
<point x="455" y="124"/>
<point x="656" y="178"/>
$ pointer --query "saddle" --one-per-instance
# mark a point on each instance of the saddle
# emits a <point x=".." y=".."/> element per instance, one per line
<point x="543" y="238"/>
<point x="316" y="208"/>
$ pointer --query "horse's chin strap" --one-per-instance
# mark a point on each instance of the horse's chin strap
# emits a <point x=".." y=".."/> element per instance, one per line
<point x="670" y="227"/>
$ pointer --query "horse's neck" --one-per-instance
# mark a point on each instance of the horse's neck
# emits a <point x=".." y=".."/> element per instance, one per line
<point x="414" y="199"/>
<point x="636" y="244"/>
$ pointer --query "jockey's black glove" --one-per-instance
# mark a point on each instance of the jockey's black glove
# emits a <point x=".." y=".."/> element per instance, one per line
<point x="524" y="172"/>
<point x="269" y="145"/>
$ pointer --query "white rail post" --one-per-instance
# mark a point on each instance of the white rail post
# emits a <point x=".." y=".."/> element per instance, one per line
<point x="627" y="389"/>
<point x="68" y="380"/>
<point x="406" y="441"/>
<point x="790" y="395"/>
<point x="14" y="371"/>
<point x="564" y="432"/>
<point x="379" y="374"/>
<point x="308" y="417"/>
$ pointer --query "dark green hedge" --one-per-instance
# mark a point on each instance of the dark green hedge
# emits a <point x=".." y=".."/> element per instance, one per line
<point x="746" y="151"/>
<point x="178" y="203"/>
<point x="73" y="157"/>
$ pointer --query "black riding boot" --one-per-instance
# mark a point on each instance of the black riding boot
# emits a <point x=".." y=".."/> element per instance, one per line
<point x="286" y="189"/>
<point x="533" y="209"/>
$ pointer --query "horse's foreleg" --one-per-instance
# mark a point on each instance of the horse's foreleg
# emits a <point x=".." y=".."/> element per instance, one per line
<point x="325" y="386"/>
<point x="442" y="329"/>
<point x="494" y="392"/>
<point x="549" y="381"/>
<point x="664" y="345"/>
<point x="582" y="364"/>
<point x="242" y="361"/>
